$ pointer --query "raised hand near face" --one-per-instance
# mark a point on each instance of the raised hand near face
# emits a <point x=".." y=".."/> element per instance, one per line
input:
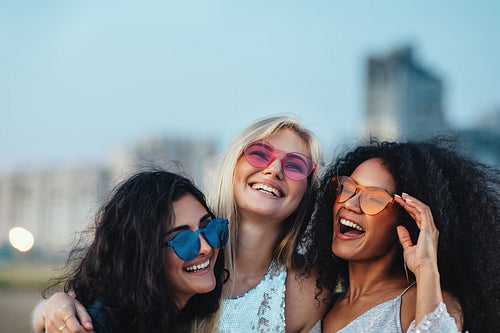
<point x="423" y="254"/>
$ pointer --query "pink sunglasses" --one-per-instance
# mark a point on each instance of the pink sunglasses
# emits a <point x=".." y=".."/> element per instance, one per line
<point x="296" y="166"/>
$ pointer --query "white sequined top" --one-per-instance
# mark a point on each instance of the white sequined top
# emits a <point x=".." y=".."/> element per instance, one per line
<point x="261" y="309"/>
<point x="386" y="317"/>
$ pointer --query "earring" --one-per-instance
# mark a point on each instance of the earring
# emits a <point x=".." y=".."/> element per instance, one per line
<point x="406" y="271"/>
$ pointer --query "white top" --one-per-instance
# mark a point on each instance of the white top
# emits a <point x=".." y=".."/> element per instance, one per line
<point x="261" y="309"/>
<point x="386" y="317"/>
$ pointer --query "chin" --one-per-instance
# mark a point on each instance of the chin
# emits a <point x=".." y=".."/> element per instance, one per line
<point x="206" y="288"/>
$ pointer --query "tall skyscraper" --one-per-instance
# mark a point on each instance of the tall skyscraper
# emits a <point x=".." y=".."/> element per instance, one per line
<point x="403" y="99"/>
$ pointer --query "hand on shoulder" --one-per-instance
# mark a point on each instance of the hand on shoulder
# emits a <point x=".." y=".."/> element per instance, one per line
<point x="63" y="311"/>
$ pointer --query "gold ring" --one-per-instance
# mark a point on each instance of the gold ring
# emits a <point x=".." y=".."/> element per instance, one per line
<point x="61" y="328"/>
<point x="66" y="318"/>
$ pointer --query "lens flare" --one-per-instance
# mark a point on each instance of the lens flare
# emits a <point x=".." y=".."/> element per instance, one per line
<point x="21" y="239"/>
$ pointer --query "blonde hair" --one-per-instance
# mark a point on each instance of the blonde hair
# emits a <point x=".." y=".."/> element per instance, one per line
<point x="223" y="203"/>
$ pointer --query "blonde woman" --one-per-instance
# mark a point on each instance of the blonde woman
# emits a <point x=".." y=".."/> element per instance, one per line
<point x="264" y="187"/>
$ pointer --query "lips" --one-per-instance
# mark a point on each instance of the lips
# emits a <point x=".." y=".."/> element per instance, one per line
<point x="349" y="229"/>
<point x="267" y="189"/>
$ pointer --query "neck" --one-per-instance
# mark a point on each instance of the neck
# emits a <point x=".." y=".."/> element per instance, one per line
<point x="256" y="242"/>
<point x="369" y="277"/>
<point x="181" y="302"/>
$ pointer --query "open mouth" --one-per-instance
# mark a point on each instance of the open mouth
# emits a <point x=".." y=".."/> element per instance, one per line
<point x="350" y="228"/>
<point x="197" y="268"/>
<point x="267" y="189"/>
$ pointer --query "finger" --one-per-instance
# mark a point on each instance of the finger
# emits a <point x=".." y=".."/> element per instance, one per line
<point x="85" y="319"/>
<point x="62" y="328"/>
<point x="423" y="215"/>
<point x="421" y="212"/>
<point x="410" y="209"/>
<point x="74" y="326"/>
<point x="404" y="237"/>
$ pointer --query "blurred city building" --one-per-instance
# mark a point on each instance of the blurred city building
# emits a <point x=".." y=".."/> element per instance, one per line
<point x="483" y="139"/>
<point x="403" y="99"/>
<point x="56" y="204"/>
<point x="190" y="157"/>
<point x="51" y="204"/>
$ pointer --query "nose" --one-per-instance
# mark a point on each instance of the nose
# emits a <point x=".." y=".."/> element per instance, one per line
<point x="275" y="168"/>
<point x="205" y="248"/>
<point x="353" y="203"/>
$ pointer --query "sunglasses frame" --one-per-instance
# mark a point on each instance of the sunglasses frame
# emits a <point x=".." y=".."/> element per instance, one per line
<point x="196" y="233"/>
<point x="276" y="152"/>
<point x="358" y="191"/>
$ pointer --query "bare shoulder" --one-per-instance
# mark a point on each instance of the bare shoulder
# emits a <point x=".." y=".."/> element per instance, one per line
<point x="454" y="309"/>
<point x="304" y="304"/>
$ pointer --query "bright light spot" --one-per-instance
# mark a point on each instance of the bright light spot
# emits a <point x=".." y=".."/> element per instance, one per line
<point x="21" y="239"/>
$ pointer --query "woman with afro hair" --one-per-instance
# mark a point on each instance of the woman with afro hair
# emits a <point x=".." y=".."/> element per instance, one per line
<point x="368" y="231"/>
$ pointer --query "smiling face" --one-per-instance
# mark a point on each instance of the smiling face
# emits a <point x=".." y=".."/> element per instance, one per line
<point x="357" y="236"/>
<point x="187" y="278"/>
<point x="266" y="192"/>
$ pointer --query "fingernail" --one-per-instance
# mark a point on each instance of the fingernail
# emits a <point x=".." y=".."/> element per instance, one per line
<point x="404" y="193"/>
<point x="397" y="195"/>
<point x="408" y="200"/>
<point x="89" y="325"/>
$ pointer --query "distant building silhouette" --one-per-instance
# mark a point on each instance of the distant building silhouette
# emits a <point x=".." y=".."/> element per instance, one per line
<point x="403" y="99"/>
<point x="192" y="157"/>
<point x="51" y="204"/>
<point x="483" y="140"/>
<point x="56" y="204"/>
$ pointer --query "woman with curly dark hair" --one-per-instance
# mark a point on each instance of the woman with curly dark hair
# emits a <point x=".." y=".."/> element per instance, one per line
<point x="360" y="254"/>
<point x="155" y="263"/>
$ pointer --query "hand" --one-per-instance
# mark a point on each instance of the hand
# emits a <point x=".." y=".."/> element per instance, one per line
<point x="63" y="313"/>
<point x="423" y="255"/>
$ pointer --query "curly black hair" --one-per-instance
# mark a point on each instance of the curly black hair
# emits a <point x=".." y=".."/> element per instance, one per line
<point x="463" y="196"/>
<point x="124" y="265"/>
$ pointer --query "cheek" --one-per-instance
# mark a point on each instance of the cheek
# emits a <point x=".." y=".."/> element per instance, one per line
<point x="242" y="168"/>
<point x="299" y="189"/>
<point x="172" y="265"/>
<point x="335" y="211"/>
<point x="384" y="225"/>
<point x="215" y="256"/>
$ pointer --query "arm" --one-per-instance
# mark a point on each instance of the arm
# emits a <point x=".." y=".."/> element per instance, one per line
<point x="61" y="313"/>
<point x="421" y="259"/>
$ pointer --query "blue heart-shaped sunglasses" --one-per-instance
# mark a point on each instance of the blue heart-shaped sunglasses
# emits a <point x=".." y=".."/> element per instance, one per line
<point x="186" y="244"/>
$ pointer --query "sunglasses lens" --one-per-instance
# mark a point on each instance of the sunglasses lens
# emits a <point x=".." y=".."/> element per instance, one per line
<point x="259" y="154"/>
<point x="216" y="233"/>
<point x="373" y="201"/>
<point x="186" y="245"/>
<point x="346" y="189"/>
<point x="297" y="167"/>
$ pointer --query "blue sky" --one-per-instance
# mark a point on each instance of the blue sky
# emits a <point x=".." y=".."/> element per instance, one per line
<point x="80" y="78"/>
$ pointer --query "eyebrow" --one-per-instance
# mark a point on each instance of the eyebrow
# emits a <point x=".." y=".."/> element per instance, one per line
<point x="185" y="227"/>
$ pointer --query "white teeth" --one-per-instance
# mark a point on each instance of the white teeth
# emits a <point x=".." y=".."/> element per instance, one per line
<point x="199" y="267"/>
<point x="267" y="189"/>
<point x="351" y="224"/>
